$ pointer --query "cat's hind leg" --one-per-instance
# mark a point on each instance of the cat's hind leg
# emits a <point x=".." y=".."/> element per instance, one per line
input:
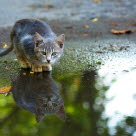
<point x="23" y="62"/>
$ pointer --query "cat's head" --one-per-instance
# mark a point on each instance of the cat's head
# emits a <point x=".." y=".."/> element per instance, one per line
<point x="50" y="105"/>
<point x="48" y="51"/>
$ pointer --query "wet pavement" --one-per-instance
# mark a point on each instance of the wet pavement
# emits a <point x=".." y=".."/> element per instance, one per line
<point x="70" y="10"/>
<point x="92" y="85"/>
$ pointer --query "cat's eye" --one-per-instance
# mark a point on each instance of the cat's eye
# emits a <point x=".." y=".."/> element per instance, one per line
<point x="54" y="104"/>
<point x="54" y="53"/>
<point x="44" y="53"/>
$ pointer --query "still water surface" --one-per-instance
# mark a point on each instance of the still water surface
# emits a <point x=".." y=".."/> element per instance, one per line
<point x="84" y="103"/>
<point x="73" y="100"/>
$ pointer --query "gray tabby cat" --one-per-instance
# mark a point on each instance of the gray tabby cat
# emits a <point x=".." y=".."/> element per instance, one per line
<point x="38" y="93"/>
<point x="36" y="45"/>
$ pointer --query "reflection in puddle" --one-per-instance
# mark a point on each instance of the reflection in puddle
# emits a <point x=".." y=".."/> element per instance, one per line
<point x="122" y="100"/>
<point x="38" y="93"/>
<point x="96" y="104"/>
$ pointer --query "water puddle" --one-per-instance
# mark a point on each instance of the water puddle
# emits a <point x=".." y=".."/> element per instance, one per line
<point x="82" y="103"/>
<point x="80" y="97"/>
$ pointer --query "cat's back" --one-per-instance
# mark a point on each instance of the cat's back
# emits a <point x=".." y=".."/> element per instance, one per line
<point x="31" y="26"/>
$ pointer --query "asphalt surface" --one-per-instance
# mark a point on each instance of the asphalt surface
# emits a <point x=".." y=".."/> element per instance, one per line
<point x="12" y="10"/>
<point x="87" y="40"/>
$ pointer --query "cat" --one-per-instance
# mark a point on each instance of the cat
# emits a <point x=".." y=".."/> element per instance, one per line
<point x="38" y="93"/>
<point x="36" y="45"/>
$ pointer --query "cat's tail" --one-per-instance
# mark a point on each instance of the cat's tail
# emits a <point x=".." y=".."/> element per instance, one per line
<point x="9" y="48"/>
<point x="5" y="51"/>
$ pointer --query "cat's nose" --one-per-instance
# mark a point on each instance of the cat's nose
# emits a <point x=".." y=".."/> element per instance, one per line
<point x="48" y="61"/>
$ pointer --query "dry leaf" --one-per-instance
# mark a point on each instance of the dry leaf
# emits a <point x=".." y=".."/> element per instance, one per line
<point x="5" y="89"/>
<point x="2" y="44"/>
<point x="48" y="6"/>
<point x="113" y="23"/>
<point x="5" y="45"/>
<point x="85" y="34"/>
<point x="24" y="74"/>
<point x="97" y="1"/>
<point x="95" y="19"/>
<point x="73" y="14"/>
<point x="123" y="31"/>
<point x="31" y="72"/>
<point x="86" y="26"/>
<point x="133" y="24"/>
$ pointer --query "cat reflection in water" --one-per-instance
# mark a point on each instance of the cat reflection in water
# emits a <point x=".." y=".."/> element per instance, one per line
<point x="38" y="93"/>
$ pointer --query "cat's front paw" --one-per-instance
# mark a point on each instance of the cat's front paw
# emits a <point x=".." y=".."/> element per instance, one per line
<point x="47" y="68"/>
<point x="25" y="65"/>
<point x="37" y="68"/>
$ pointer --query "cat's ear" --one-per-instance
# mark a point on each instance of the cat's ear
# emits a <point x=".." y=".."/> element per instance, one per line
<point x="39" y="115"/>
<point x="61" y="113"/>
<point x="60" y="40"/>
<point x="38" y="39"/>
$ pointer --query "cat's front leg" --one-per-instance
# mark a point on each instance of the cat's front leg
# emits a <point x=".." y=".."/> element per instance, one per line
<point x="25" y="65"/>
<point x="37" y="68"/>
<point x="47" y="67"/>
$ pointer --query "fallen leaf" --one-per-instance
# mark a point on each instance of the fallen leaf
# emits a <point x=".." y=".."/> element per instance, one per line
<point x="97" y="1"/>
<point x="86" y="26"/>
<point x="73" y="14"/>
<point x="37" y="6"/>
<point x="31" y="72"/>
<point x="5" y="45"/>
<point x="113" y="23"/>
<point x="95" y="19"/>
<point x="24" y="74"/>
<point x="85" y="34"/>
<point x="5" y="89"/>
<point x="123" y="31"/>
<point x="99" y="62"/>
<point x="48" y="6"/>
<point x="2" y="44"/>
<point x="133" y="24"/>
